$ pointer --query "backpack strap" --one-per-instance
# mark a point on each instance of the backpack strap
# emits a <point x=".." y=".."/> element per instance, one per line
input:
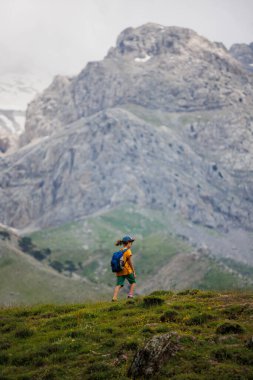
<point x="124" y="250"/>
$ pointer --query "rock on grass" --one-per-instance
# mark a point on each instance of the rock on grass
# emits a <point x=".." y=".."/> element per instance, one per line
<point x="157" y="350"/>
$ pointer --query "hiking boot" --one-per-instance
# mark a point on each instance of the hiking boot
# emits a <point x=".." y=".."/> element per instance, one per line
<point x="114" y="300"/>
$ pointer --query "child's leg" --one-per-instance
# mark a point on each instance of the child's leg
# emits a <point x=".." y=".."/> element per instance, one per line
<point x="120" y="283"/>
<point x="131" y="290"/>
<point x="132" y="282"/>
<point x="116" y="292"/>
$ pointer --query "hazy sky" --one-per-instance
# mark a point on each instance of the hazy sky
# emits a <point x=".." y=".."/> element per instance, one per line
<point x="61" y="36"/>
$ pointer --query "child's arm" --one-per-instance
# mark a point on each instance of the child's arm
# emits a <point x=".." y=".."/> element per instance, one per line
<point x="131" y="265"/>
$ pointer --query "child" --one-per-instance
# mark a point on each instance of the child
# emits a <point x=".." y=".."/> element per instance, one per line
<point x="128" y="272"/>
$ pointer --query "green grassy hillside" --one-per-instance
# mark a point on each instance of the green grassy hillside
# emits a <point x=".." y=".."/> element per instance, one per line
<point x="78" y="266"/>
<point x="99" y="340"/>
<point x="158" y="251"/>
<point x="24" y="280"/>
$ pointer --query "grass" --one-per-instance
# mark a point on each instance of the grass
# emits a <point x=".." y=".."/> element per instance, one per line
<point x="99" y="340"/>
<point x="24" y="280"/>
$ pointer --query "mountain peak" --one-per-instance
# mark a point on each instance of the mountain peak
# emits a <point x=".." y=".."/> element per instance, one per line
<point x="154" y="39"/>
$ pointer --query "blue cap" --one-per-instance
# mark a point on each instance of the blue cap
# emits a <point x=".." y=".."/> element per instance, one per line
<point x="127" y="239"/>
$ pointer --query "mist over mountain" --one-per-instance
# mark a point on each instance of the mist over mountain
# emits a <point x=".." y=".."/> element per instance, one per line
<point x="164" y="121"/>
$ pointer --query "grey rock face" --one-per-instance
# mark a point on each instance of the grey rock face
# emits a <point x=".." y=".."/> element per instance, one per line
<point x="104" y="160"/>
<point x="49" y="111"/>
<point x="166" y="68"/>
<point x="244" y="54"/>
<point x="115" y="157"/>
<point x="148" y="360"/>
<point x="11" y="126"/>
<point x="171" y="69"/>
<point x="164" y="121"/>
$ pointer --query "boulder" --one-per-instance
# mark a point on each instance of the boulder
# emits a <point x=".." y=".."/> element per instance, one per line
<point x="157" y="351"/>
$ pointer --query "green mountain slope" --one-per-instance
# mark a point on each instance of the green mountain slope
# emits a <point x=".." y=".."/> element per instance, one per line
<point x="24" y="280"/>
<point x="163" y="258"/>
<point x="99" y="340"/>
<point x="78" y="267"/>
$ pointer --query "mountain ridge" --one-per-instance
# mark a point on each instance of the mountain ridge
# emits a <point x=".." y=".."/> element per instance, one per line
<point x="119" y="79"/>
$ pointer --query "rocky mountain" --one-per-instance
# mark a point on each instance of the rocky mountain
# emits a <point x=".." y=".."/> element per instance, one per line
<point x="164" y="121"/>
<point x="15" y="93"/>
<point x="244" y="54"/>
<point x="12" y="124"/>
<point x="168" y="69"/>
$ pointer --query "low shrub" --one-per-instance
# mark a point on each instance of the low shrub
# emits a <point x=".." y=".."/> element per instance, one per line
<point x="52" y="373"/>
<point x="75" y="334"/>
<point x="207" y="294"/>
<point x="98" y="367"/>
<point x="4" y="345"/>
<point x="109" y="343"/>
<point x="4" y="235"/>
<point x="131" y="301"/>
<point x="187" y="376"/>
<point x="21" y="360"/>
<point x="228" y="371"/>
<point x="147" y="330"/>
<point x="152" y="301"/>
<point x="131" y="346"/>
<point x="222" y="354"/>
<point x="249" y="343"/>
<point x="48" y="349"/>
<point x="243" y="357"/>
<point x="183" y="306"/>
<point x="235" y="354"/>
<point x="109" y="330"/>
<point x="161" y="293"/>
<point x="170" y="316"/>
<point x="163" y="329"/>
<point x="229" y="328"/>
<point x="199" y="319"/>
<point x="7" y="327"/>
<point x="114" y="308"/>
<point x="235" y="311"/>
<point x="24" y="333"/>
<point x="188" y="292"/>
<point x="4" y="359"/>
<point x="22" y="313"/>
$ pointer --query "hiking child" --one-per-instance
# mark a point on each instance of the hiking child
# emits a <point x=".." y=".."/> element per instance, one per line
<point x="128" y="271"/>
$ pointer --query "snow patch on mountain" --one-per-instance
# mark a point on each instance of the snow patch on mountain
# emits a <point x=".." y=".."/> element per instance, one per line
<point x="143" y="59"/>
<point x="5" y="122"/>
